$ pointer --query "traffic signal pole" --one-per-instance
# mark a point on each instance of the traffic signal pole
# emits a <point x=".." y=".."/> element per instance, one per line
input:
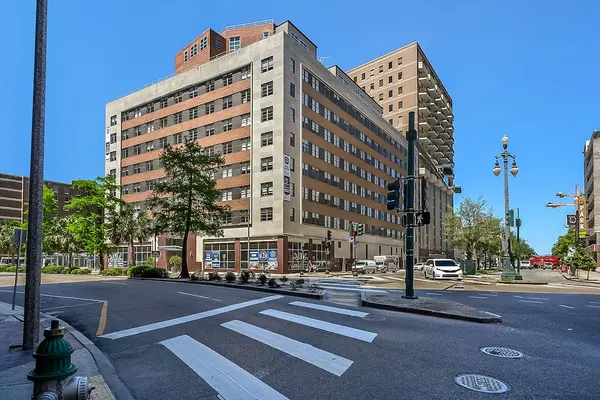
<point x="411" y="136"/>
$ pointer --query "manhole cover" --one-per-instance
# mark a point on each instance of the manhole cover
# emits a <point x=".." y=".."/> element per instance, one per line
<point x="481" y="383"/>
<point x="502" y="352"/>
<point x="373" y="318"/>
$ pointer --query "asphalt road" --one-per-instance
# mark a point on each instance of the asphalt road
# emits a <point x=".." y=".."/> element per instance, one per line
<point x="183" y="341"/>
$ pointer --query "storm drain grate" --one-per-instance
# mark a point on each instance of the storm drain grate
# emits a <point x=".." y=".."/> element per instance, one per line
<point x="502" y="352"/>
<point x="373" y="318"/>
<point x="481" y="383"/>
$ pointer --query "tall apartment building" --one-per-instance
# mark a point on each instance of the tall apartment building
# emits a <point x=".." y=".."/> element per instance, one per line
<point x="305" y="149"/>
<point x="14" y="196"/>
<point x="403" y="81"/>
<point x="591" y="182"/>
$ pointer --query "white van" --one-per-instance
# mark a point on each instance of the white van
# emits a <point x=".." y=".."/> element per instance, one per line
<point x="386" y="263"/>
<point x="364" y="267"/>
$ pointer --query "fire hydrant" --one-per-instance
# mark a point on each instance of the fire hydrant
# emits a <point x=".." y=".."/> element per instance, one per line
<point x="53" y="365"/>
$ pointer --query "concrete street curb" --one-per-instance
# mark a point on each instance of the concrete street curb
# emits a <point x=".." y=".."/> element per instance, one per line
<point x="522" y="283"/>
<point x="107" y="370"/>
<point x="315" y="296"/>
<point x="493" y="318"/>
<point x="580" y="280"/>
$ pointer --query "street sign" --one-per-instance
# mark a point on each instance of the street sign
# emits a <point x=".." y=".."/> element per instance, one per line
<point x="19" y="236"/>
<point x="571" y="251"/>
<point x="155" y="253"/>
<point x="422" y="218"/>
<point x="350" y="239"/>
<point x="571" y="220"/>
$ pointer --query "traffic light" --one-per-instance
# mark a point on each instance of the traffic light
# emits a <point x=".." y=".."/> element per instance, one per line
<point x="511" y="217"/>
<point x="426" y="218"/>
<point x="351" y="228"/>
<point x="361" y="230"/>
<point x="328" y="235"/>
<point x="424" y="194"/>
<point x="393" y="196"/>
<point x="353" y="232"/>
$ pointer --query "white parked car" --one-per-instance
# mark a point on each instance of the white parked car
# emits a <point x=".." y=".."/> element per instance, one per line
<point x="525" y="265"/>
<point x="442" y="268"/>
<point x="419" y="266"/>
<point x="365" y="267"/>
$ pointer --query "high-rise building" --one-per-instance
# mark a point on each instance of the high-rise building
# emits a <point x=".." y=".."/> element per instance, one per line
<point x="306" y="150"/>
<point x="14" y="196"/>
<point x="403" y="81"/>
<point x="591" y="182"/>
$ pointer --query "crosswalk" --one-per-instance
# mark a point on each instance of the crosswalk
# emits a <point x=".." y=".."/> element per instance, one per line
<point x="231" y="381"/>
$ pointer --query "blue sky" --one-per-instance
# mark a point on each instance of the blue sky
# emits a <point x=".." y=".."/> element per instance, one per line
<point x="526" y="69"/>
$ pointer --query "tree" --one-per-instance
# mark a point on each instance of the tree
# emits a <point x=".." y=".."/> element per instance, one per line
<point x="134" y="226"/>
<point x="49" y="209"/>
<point x="94" y="208"/>
<point x="580" y="259"/>
<point x="7" y="245"/>
<point x="175" y="263"/>
<point x="62" y="238"/>
<point x="563" y="244"/>
<point x="522" y="248"/>
<point x="467" y="226"/>
<point x="490" y="239"/>
<point x="186" y="200"/>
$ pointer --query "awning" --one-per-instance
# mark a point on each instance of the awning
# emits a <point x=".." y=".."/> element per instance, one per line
<point x="170" y="248"/>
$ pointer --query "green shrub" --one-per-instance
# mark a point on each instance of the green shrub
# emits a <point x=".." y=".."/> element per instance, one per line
<point x="150" y="261"/>
<point x="299" y="282"/>
<point x="11" y="269"/>
<point x="3" y="268"/>
<point x="273" y="283"/>
<point x="175" y="263"/>
<point x="214" y="276"/>
<point x="66" y="270"/>
<point x="80" y="271"/>
<point x="283" y="279"/>
<point x="262" y="279"/>
<point x="230" y="277"/>
<point x="244" y="276"/>
<point x="111" y="272"/>
<point x="194" y="277"/>
<point x="153" y="273"/>
<point x="53" y="269"/>
<point x="136" y="271"/>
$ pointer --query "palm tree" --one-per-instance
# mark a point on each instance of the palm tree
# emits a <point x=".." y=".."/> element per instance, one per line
<point x="134" y="226"/>
<point x="61" y="238"/>
<point x="7" y="229"/>
<point x="143" y="227"/>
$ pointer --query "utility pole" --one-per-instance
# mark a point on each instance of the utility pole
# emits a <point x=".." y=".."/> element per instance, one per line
<point x="518" y="223"/>
<point x="411" y="136"/>
<point x="31" y="326"/>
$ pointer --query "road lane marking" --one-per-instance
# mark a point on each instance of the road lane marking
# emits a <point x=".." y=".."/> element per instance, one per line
<point x="593" y="306"/>
<point x="562" y="305"/>
<point x="594" y="302"/>
<point x="187" y="318"/>
<point x="518" y="297"/>
<point x="227" y="378"/>
<point x="336" y="310"/>
<point x="478" y="297"/>
<point x="59" y="297"/>
<point x="538" y="298"/>
<point x="394" y="278"/>
<point x="330" y="362"/>
<point x="434" y="294"/>
<point x="102" y="322"/>
<point x="72" y="305"/>
<point x="492" y="314"/>
<point x="354" y="333"/>
<point x="531" y="301"/>
<point x="115" y="283"/>
<point x="197" y="295"/>
<point x="352" y="289"/>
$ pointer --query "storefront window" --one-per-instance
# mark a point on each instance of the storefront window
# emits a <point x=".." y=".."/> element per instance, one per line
<point x="219" y="255"/>
<point x="142" y="253"/>
<point x="263" y="255"/>
<point x="297" y="255"/>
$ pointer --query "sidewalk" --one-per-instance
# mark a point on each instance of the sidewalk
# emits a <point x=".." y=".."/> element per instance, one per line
<point x="15" y="363"/>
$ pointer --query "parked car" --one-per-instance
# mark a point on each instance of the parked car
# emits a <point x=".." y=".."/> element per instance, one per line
<point x="525" y="265"/>
<point x="364" y="267"/>
<point x="419" y="266"/>
<point x="443" y="268"/>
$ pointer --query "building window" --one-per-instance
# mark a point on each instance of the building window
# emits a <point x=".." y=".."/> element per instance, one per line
<point x="355" y="78"/>
<point x="246" y="96"/>
<point x="234" y="43"/>
<point x="400" y="90"/>
<point x="177" y="118"/>
<point x="149" y="166"/>
<point x="246" y="73"/>
<point x="218" y="44"/>
<point x="400" y="105"/>
<point x="380" y="82"/>
<point x="113" y="156"/>
<point x="164" y="103"/>
<point x="162" y="122"/>
<point x="209" y="130"/>
<point x="227" y="148"/>
<point x="209" y="86"/>
<point x="137" y="169"/>
<point x="372" y="72"/>
<point x="194" y="49"/>
<point x="266" y="214"/>
<point x="266" y="189"/>
<point x="265" y="35"/>
<point x="226" y="195"/>
<point x="266" y="114"/>
<point x="292" y="214"/>
<point x="209" y="108"/>
<point x="246" y="144"/>
<point x="292" y="114"/>
<point x="266" y="64"/>
<point x="178" y="138"/>
<point x="150" y="127"/>
<point x="245" y="168"/>
<point x="149" y="107"/>
<point x="203" y="43"/>
<point x="390" y="108"/>
<point x="292" y="139"/>
<point x="113" y="173"/>
<point x="292" y="66"/>
<point x="227" y="125"/>
<point x="399" y="60"/>
<point x="192" y="135"/>
<point x="227" y="79"/>
<point x="399" y="75"/>
<point x="193" y="113"/>
<point x="245" y="192"/>
<point x="246" y="120"/>
<point x="391" y="121"/>
<point x="372" y="86"/>
<point x="266" y="89"/>
<point x="292" y="90"/>
<point x="390" y="79"/>
<point x="266" y="164"/>
<point x="227" y="102"/>
<point x="113" y="138"/>
<point x="390" y="65"/>
<point x="178" y="98"/>
<point x="137" y="150"/>
<point x="163" y="142"/>
<point x="380" y="96"/>
<point x="266" y="139"/>
<point x="113" y="120"/>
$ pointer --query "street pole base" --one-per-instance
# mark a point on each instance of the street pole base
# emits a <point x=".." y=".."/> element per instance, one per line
<point x="518" y="277"/>
<point x="509" y="276"/>
<point x="414" y="297"/>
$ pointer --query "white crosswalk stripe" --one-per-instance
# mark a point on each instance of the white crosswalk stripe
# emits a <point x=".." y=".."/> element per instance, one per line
<point x="335" y="310"/>
<point x="230" y="380"/>
<point x="330" y="362"/>
<point x="358" y="334"/>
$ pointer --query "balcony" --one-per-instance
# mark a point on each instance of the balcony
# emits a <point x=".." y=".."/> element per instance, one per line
<point x="444" y="135"/>
<point x="425" y="79"/>
<point x="424" y="126"/>
<point x="431" y="134"/>
<point x="424" y="110"/>
<point x="444" y="122"/>
<point x="450" y="129"/>
<point x="440" y="100"/>
<point x="450" y="117"/>
<point x="424" y="95"/>
<point x="431" y="148"/>
<point x="425" y="141"/>
<point x="438" y="128"/>
<point x="433" y="91"/>
<point x="444" y="147"/>
<point x="444" y="159"/>
<point x="431" y="119"/>
<point x="446" y="111"/>
<point x="438" y="141"/>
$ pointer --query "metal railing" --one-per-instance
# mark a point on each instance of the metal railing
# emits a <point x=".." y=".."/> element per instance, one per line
<point x="249" y="24"/>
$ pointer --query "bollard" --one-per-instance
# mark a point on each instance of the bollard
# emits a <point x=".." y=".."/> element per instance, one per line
<point x="53" y="365"/>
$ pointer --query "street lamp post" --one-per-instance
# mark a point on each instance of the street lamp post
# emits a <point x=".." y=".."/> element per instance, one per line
<point x="508" y="273"/>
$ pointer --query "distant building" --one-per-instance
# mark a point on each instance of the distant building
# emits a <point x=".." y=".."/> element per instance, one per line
<point x="14" y="196"/>
<point x="591" y="182"/>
